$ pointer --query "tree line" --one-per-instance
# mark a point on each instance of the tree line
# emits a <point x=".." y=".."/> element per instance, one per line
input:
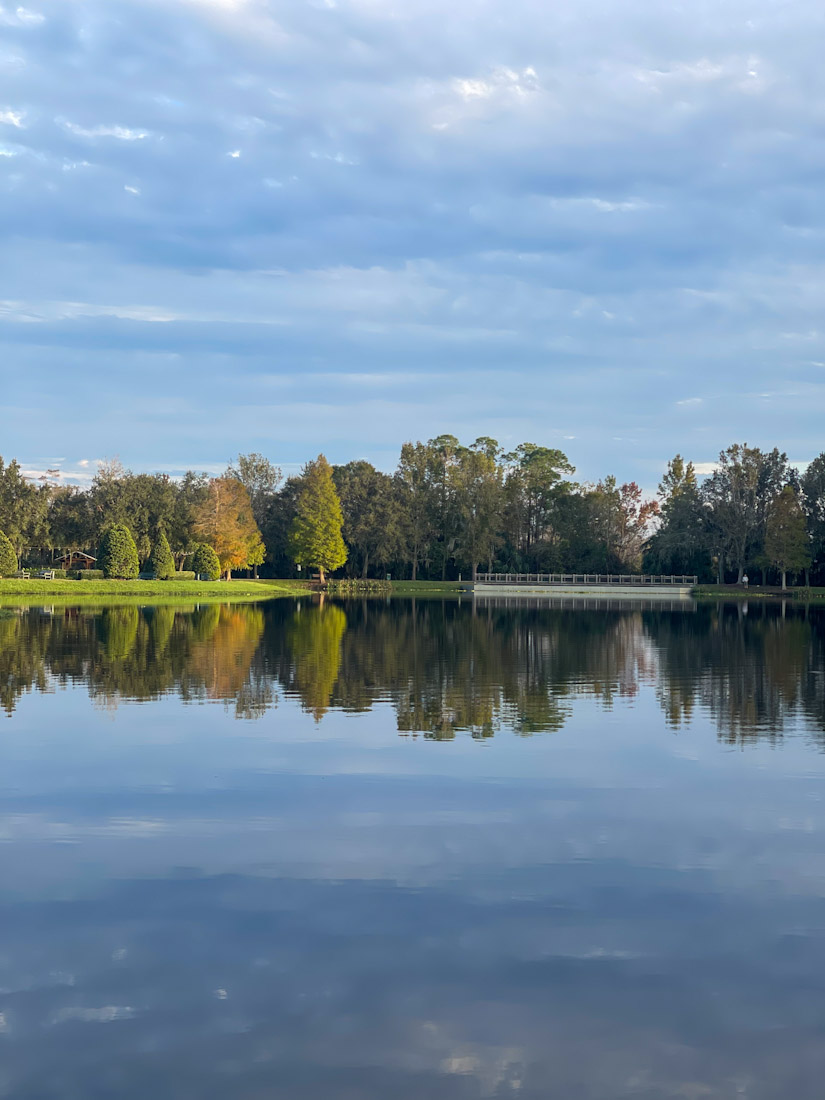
<point x="447" y="510"/>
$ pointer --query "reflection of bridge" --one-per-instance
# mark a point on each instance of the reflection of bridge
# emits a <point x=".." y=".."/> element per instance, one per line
<point x="585" y="584"/>
<point x="555" y="601"/>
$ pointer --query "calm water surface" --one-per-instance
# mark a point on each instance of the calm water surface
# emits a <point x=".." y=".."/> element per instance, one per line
<point x="387" y="851"/>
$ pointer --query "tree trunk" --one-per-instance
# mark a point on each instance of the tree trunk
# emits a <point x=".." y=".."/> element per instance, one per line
<point x="475" y="570"/>
<point x="807" y="576"/>
<point x="740" y="574"/>
<point x="415" y="567"/>
<point x="784" y="582"/>
<point x="720" y="570"/>
<point x="255" y="571"/>
<point x="321" y="574"/>
<point x="365" y="565"/>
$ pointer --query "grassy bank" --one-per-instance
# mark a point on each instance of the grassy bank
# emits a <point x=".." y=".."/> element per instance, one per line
<point x="100" y="592"/>
<point x="428" y="588"/>
<point x="757" y="592"/>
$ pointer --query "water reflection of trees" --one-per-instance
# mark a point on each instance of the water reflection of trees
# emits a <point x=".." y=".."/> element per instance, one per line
<point x="445" y="668"/>
<point x="753" y="667"/>
<point x="136" y="653"/>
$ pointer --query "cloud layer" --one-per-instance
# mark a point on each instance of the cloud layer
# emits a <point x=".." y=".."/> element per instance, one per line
<point x="238" y="224"/>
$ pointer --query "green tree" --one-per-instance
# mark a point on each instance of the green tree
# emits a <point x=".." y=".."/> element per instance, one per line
<point x="411" y="478"/>
<point x="260" y="479"/>
<point x="118" y="556"/>
<point x="680" y="545"/>
<point x="736" y="496"/>
<point x="535" y="487"/>
<point x="23" y="509"/>
<point x="161" y="562"/>
<point x="191" y="492"/>
<point x="70" y="520"/>
<point x="786" y="540"/>
<point x="369" y="505"/>
<point x="315" y="539"/>
<point x="205" y="562"/>
<point x="479" y="501"/>
<point x="442" y="457"/>
<point x="8" y="558"/>
<point x="813" y="501"/>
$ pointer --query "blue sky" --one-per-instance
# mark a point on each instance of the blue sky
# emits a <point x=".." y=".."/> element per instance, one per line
<point x="338" y="224"/>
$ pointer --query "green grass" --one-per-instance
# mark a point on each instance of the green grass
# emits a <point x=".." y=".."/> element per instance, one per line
<point x="99" y="592"/>
<point x="768" y="592"/>
<point x="428" y="588"/>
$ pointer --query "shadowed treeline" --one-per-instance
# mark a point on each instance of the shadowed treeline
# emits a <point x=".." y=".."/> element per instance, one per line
<point x="445" y="667"/>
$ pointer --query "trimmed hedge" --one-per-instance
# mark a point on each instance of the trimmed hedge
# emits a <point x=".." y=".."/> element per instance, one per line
<point x="86" y="574"/>
<point x="183" y="575"/>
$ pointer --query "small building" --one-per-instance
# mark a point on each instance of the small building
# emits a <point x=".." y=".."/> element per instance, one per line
<point x="76" y="559"/>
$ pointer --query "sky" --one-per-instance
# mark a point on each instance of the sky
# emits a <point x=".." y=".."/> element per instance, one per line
<point x="335" y="225"/>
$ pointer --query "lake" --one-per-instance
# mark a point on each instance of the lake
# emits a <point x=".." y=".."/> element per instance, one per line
<point x="386" y="850"/>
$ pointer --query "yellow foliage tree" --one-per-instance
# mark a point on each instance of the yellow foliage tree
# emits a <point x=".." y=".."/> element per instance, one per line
<point x="225" y="521"/>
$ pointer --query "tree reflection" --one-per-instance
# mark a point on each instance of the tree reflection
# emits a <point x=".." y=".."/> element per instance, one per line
<point x="445" y="667"/>
<point x="314" y="641"/>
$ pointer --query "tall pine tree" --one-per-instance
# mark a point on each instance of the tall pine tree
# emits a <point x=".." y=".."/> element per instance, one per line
<point x="315" y="538"/>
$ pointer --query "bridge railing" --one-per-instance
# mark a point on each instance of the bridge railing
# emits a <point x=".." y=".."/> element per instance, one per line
<point x="630" y="580"/>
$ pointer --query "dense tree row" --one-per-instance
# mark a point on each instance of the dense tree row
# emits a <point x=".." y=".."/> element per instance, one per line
<point x="447" y="510"/>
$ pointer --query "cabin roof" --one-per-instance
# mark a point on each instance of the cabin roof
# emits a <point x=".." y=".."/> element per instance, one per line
<point x="76" y="554"/>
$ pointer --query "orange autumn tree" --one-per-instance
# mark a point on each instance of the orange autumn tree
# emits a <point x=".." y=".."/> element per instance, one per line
<point x="225" y="521"/>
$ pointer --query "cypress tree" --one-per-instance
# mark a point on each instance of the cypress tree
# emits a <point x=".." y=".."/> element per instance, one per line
<point x="118" y="556"/>
<point x="8" y="558"/>
<point x="205" y="562"/>
<point x="161" y="562"/>
<point x="315" y="538"/>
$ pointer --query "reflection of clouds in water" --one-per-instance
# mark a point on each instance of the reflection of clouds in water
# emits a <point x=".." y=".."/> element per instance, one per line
<point x="368" y="989"/>
<point x="104" y="1015"/>
<point x="610" y="911"/>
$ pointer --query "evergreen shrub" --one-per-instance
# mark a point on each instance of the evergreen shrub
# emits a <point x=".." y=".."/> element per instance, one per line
<point x="161" y="563"/>
<point x="205" y="562"/>
<point x="8" y="558"/>
<point x="118" y="556"/>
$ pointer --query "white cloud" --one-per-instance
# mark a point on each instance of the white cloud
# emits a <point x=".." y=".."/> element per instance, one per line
<point x="20" y="17"/>
<point x="12" y="118"/>
<point x="122" y="133"/>
<point x="132" y="190"/>
<point x="235" y="153"/>
<point x="502" y="81"/>
<point x="690" y="402"/>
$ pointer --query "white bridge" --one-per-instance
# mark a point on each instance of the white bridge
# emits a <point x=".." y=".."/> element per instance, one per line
<point x="585" y="584"/>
